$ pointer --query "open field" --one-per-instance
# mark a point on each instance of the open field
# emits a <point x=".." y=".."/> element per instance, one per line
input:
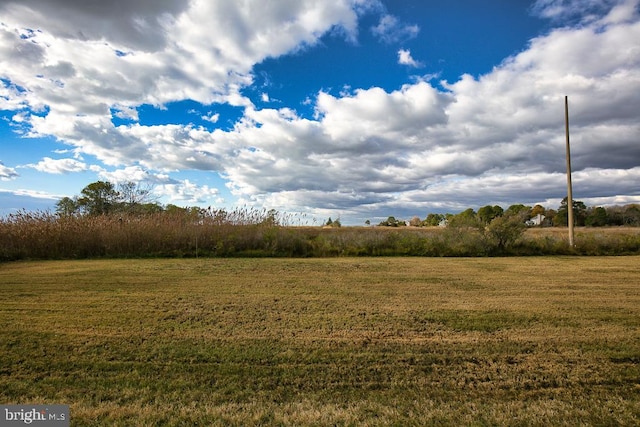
<point x="338" y="341"/>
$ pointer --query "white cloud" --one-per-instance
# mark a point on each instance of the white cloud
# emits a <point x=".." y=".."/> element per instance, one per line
<point x="405" y="58"/>
<point x="126" y="113"/>
<point x="211" y="117"/>
<point x="374" y="112"/>
<point x="11" y="98"/>
<point x="497" y="138"/>
<point x="173" y="190"/>
<point x="139" y="25"/>
<point x="391" y="30"/>
<point x="87" y="58"/>
<point x="582" y="10"/>
<point x="58" y="166"/>
<point x="19" y="118"/>
<point x="13" y="201"/>
<point x="623" y="11"/>
<point x="128" y="174"/>
<point x="162" y="147"/>
<point x="36" y="194"/>
<point x="7" y="173"/>
<point x="188" y="192"/>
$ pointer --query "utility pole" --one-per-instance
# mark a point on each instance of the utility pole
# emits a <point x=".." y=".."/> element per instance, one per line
<point x="569" y="189"/>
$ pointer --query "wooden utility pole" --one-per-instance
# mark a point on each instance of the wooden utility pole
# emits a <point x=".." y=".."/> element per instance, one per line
<point x="569" y="189"/>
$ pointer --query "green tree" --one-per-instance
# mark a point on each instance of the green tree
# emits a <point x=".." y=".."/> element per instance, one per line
<point x="67" y="206"/>
<point x="537" y="209"/>
<point x="333" y="223"/>
<point x="149" y="208"/>
<point x="488" y="213"/>
<point x="596" y="217"/>
<point x="434" y="219"/>
<point x="506" y="229"/>
<point x="631" y="215"/>
<point x="579" y="213"/>
<point x="466" y="219"/>
<point x="98" y="198"/>
<point x="520" y="208"/>
<point x="172" y="209"/>
<point x="391" y="222"/>
<point x="551" y="217"/>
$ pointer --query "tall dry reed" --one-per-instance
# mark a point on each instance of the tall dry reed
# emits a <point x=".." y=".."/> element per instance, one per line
<point x="250" y="232"/>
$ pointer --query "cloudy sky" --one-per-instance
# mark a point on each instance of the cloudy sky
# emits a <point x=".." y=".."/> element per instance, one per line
<point x="351" y="109"/>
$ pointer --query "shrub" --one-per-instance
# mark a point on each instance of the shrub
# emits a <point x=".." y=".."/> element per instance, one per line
<point x="503" y="231"/>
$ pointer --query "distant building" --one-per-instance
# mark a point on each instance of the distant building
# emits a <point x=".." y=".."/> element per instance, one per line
<point x="536" y="220"/>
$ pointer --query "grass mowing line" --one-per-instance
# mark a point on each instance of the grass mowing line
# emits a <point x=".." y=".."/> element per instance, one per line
<point x="366" y="341"/>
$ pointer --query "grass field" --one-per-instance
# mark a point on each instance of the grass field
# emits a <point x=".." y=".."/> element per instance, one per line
<point x="339" y="341"/>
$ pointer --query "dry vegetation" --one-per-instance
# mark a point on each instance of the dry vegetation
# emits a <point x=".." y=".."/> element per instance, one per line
<point x="248" y="233"/>
<point x="340" y="341"/>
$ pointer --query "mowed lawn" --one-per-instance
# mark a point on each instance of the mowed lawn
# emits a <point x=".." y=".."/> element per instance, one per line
<point x="339" y="341"/>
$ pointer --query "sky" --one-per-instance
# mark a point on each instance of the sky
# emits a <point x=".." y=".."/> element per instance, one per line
<point x="349" y="109"/>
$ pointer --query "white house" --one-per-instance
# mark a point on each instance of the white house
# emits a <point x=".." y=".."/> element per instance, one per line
<point x="536" y="220"/>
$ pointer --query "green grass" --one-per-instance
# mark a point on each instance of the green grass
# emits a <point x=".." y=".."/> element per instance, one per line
<point x="347" y="341"/>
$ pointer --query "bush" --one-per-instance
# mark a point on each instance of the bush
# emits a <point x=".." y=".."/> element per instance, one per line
<point x="505" y="230"/>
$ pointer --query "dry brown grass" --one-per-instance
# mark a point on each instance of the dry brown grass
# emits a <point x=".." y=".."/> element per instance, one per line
<point x="248" y="233"/>
<point x="346" y="341"/>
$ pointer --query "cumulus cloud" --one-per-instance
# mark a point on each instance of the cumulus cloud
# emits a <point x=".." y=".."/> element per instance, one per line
<point x="492" y="139"/>
<point x="87" y="63"/>
<point x="188" y="192"/>
<point x="136" y="24"/>
<point x="163" y="186"/>
<point x="58" y="166"/>
<point x="7" y="173"/>
<point x="128" y="174"/>
<point x="87" y="57"/>
<point x="405" y="58"/>
<point x="126" y="113"/>
<point x="11" y="97"/>
<point x="498" y="138"/>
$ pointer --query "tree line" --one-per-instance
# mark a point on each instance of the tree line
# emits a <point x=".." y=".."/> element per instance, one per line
<point x="104" y="198"/>
<point x="538" y="215"/>
<point x="107" y="220"/>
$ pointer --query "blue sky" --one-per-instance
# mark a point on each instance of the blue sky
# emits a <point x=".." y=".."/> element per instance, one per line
<point x="351" y="109"/>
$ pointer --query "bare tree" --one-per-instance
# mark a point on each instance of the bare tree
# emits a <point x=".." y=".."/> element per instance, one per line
<point x="135" y="194"/>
